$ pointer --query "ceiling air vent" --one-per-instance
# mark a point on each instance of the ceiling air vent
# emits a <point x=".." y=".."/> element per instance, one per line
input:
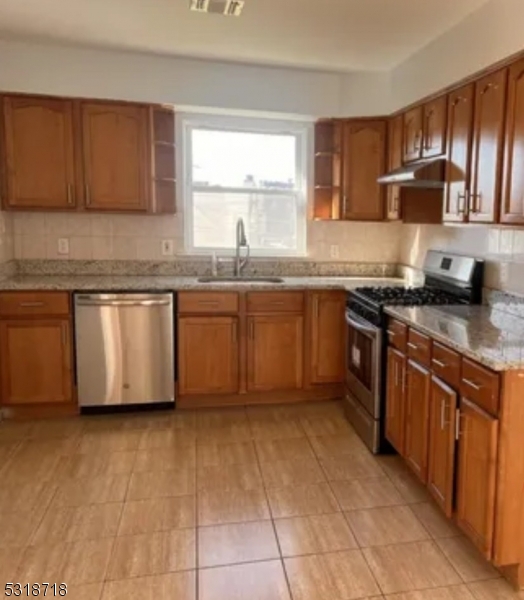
<point x="229" y="8"/>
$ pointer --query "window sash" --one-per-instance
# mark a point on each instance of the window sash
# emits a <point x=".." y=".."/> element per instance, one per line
<point x="302" y="132"/>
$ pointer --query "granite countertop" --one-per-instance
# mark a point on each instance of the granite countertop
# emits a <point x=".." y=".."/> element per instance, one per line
<point x="145" y="283"/>
<point x="492" y="337"/>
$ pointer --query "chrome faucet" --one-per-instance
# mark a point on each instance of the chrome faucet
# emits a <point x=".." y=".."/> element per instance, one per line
<point x="241" y="242"/>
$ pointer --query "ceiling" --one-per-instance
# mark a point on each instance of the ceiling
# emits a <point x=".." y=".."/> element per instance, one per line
<point x="334" y="35"/>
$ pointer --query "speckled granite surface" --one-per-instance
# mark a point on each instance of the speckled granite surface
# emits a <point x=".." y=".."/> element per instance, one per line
<point x="191" y="266"/>
<point x="487" y="334"/>
<point x="129" y="283"/>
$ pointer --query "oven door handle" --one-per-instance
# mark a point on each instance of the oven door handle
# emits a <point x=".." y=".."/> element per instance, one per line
<point x="360" y="324"/>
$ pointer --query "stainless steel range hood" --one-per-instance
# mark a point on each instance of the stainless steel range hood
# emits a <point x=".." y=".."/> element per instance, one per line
<point x="428" y="173"/>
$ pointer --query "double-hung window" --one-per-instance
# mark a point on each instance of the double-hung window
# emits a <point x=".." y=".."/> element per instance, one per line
<point x="254" y="169"/>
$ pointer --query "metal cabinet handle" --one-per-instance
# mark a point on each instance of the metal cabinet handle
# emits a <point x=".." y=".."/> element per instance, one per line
<point x="457" y="424"/>
<point x="208" y="302"/>
<point x="391" y="333"/>
<point x="64" y="334"/>
<point x="475" y="203"/>
<point x="70" y="194"/>
<point x="317" y="308"/>
<point x="87" y="194"/>
<point x="235" y="332"/>
<point x="412" y="346"/>
<point x="31" y="304"/>
<point x="470" y="383"/>
<point x="438" y="363"/>
<point x="251" y="329"/>
<point x="462" y="202"/>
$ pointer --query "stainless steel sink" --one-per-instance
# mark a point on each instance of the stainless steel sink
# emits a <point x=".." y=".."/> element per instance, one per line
<point x="219" y="279"/>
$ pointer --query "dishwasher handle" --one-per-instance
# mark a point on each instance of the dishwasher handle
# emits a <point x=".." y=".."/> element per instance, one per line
<point x="124" y="303"/>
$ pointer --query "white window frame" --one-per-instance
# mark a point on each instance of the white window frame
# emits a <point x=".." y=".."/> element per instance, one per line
<point x="303" y="133"/>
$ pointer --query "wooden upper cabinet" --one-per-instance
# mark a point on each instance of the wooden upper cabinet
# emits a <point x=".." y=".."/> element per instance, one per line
<point x="395" y="130"/>
<point x="36" y="361"/>
<point x="441" y="455"/>
<point x="275" y="352"/>
<point x="115" y="156"/>
<point x="208" y="355"/>
<point x="364" y="161"/>
<point x="486" y="154"/>
<point x="327" y="337"/>
<point x="512" y="205"/>
<point x="477" y="473"/>
<point x="39" y="153"/>
<point x="459" y="135"/>
<point x="395" y="401"/>
<point x="434" y="127"/>
<point x="413" y="134"/>
<point x="418" y="381"/>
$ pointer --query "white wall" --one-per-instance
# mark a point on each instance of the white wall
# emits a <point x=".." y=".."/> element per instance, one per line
<point x="73" y="71"/>
<point x="488" y="35"/>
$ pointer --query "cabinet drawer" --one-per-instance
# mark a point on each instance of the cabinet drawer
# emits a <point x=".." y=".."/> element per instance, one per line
<point x="480" y="385"/>
<point x="446" y="364"/>
<point x="207" y="302"/>
<point x="264" y="302"/>
<point x="398" y="334"/>
<point x="419" y="347"/>
<point x="23" y="304"/>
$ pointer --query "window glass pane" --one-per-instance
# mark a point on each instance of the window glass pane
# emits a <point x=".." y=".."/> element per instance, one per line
<point x="243" y="159"/>
<point x="270" y="220"/>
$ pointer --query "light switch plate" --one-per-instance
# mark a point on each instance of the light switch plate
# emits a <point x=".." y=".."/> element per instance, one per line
<point x="63" y="246"/>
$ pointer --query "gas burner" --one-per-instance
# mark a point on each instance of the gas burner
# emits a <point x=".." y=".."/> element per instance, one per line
<point x="399" y="296"/>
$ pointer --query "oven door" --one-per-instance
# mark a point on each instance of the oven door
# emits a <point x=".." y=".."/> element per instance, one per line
<point x="363" y="358"/>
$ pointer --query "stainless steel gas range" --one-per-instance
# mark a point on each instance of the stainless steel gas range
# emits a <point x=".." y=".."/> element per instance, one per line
<point x="449" y="279"/>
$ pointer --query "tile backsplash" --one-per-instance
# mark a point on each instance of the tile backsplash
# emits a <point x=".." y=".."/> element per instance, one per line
<point x="501" y="248"/>
<point x="133" y="237"/>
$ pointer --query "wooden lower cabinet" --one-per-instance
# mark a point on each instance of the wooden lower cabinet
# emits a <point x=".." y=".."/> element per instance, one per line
<point x="418" y="381"/>
<point x="441" y="454"/>
<point x="208" y="351"/>
<point x="395" y="403"/>
<point x="327" y="337"/>
<point x="275" y="352"/>
<point x="35" y="359"/>
<point x="477" y="473"/>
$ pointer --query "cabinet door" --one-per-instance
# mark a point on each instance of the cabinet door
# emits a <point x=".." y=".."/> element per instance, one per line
<point x="477" y="464"/>
<point x="395" y="401"/>
<point x="275" y="352"/>
<point x="417" y="419"/>
<point x="35" y="361"/>
<point x="364" y="162"/>
<point x="327" y="337"/>
<point x="116" y="158"/>
<point x="208" y="355"/>
<point x="460" y="130"/>
<point x="486" y="155"/>
<point x="395" y="129"/>
<point x="512" y="206"/>
<point x="441" y="456"/>
<point x="39" y="148"/>
<point x="435" y="116"/>
<point x="413" y="134"/>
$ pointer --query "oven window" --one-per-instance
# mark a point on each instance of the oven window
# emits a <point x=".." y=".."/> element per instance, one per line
<point x="360" y="357"/>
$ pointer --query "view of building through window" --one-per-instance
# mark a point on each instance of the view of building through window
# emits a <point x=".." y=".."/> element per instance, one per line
<point x="249" y="174"/>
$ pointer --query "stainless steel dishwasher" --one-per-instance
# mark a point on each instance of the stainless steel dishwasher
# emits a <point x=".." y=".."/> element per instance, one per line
<point x="124" y="349"/>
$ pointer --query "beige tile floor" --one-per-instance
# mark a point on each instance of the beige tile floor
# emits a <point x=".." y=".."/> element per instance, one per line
<point x="269" y="503"/>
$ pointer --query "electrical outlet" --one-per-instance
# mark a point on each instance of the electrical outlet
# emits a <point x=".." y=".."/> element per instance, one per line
<point x="63" y="246"/>
<point x="167" y="248"/>
<point x="333" y="251"/>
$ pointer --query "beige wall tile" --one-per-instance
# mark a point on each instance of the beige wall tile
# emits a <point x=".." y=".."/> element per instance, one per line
<point x="102" y="247"/>
<point x="32" y="246"/>
<point x="80" y="248"/>
<point x="124" y="248"/>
